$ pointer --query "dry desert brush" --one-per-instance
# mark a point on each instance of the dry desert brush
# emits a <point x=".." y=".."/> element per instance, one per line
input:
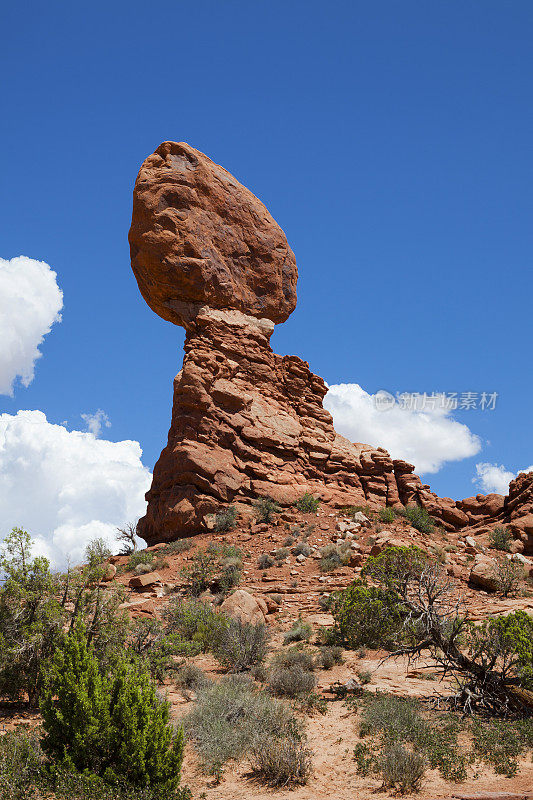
<point x="418" y="611"/>
<point x="233" y="720"/>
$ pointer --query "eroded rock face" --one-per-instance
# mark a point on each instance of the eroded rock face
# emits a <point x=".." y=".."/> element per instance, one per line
<point x="246" y="422"/>
<point x="198" y="237"/>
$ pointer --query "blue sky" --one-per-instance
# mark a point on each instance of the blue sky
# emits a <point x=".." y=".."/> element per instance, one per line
<point x="391" y="141"/>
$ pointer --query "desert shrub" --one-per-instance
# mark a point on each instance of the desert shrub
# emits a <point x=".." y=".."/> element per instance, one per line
<point x="195" y="621"/>
<point x="190" y="677"/>
<point x="283" y="762"/>
<point x="26" y="774"/>
<point x="301" y="631"/>
<point x="229" y="575"/>
<point x="37" y="606"/>
<point x="401" y="769"/>
<point x="397" y="721"/>
<point x="325" y="601"/>
<point x="176" y="547"/>
<point x="396" y="567"/>
<point x="155" y="648"/>
<point x="366" y="615"/>
<point x="301" y="548"/>
<point x="21" y="765"/>
<point x="507" y="575"/>
<point x="334" y="556"/>
<point x="329" y="656"/>
<point x="265" y="561"/>
<point x="289" y="541"/>
<point x="139" y="557"/>
<point x="281" y="553"/>
<point x="307" y="504"/>
<point x="500" y="538"/>
<point x="290" y="681"/>
<point x="418" y="517"/>
<point x="225" y="519"/>
<point x="386" y="514"/>
<point x="507" y="640"/>
<point x="241" y="645"/>
<point x="293" y="657"/>
<point x="265" y="509"/>
<point x="232" y="718"/>
<point x="364" y="675"/>
<point x="200" y="571"/>
<point x="110" y="724"/>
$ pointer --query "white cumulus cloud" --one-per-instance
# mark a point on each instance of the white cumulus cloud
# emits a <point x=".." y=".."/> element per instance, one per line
<point x="495" y="477"/>
<point x="427" y="438"/>
<point x="30" y="302"/>
<point x="66" y="487"/>
<point x="95" y="422"/>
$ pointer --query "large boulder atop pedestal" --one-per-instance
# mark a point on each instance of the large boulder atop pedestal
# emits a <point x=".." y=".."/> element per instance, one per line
<point x="200" y="238"/>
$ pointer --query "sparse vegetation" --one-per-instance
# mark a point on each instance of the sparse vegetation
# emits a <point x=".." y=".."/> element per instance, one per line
<point x="241" y="645"/>
<point x="265" y="561"/>
<point x="225" y="519"/>
<point x="301" y="631"/>
<point x="233" y="720"/>
<point x="418" y="517"/>
<point x="139" y="557"/>
<point x="329" y="656"/>
<point x="386" y="514"/>
<point x="334" y="556"/>
<point x="301" y="548"/>
<point x="195" y="622"/>
<point x="265" y="509"/>
<point x="507" y="575"/>
<point x="307" y="504"/>
<point x="500" y="538"/>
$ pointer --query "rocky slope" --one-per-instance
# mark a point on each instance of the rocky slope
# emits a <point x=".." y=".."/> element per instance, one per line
<point x="246" y="422"/>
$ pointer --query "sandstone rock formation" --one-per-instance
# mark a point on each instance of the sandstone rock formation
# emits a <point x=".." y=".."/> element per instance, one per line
<point x="246" y="422"/>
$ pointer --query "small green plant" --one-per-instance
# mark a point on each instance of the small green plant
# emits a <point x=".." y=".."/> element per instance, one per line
<point x="307" y="504"/>
<point x="386" y="514"/>
<point x="364" y="675"/>
<point x="225" y="519"/>
<point x="177" y="547"/>
<point x="418" y="517"/>
<point x="265" y="509"/>
<point x="200" y="571"/>
<point x="139" y="557"/>
<point x="500" y="538"/>
<point x="300" y="632"/>
<point x="195" y="622"/>
<point x="281" y="554"/>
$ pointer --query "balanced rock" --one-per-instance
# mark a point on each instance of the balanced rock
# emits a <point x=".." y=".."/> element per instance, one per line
<point x="208" y="256"/>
